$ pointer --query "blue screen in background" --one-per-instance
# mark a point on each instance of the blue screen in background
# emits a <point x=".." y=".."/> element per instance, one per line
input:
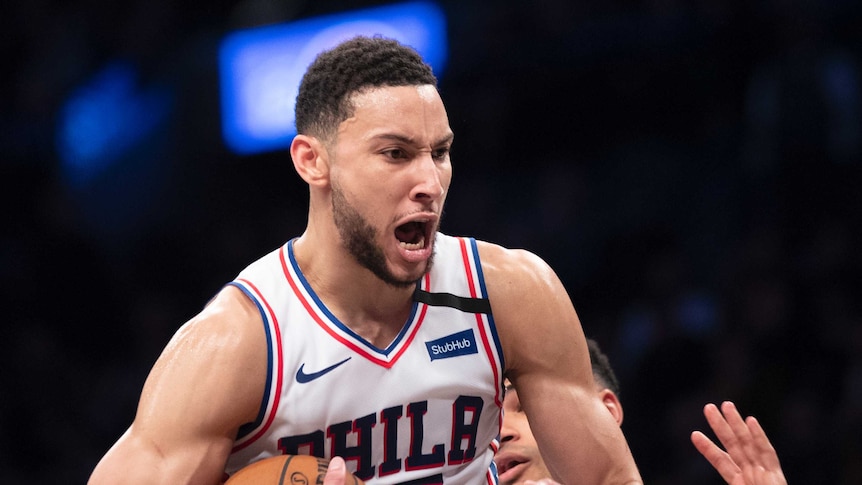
<point x="260" y="68"/>
<point x="104" y="120"/>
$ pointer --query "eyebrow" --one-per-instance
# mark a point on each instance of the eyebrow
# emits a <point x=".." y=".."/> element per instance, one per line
<point x="412" y="141"/>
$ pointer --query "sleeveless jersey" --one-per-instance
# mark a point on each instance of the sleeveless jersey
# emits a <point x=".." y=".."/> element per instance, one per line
<point x="424" y="410"/>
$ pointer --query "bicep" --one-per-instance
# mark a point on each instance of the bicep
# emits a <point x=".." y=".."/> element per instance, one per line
<point x="547" y="360"/>
<point x="208" y="381"/>
<point x="539" y="329"/>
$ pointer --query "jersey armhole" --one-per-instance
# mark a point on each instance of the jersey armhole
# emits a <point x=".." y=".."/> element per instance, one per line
<point x="247" y="432"/>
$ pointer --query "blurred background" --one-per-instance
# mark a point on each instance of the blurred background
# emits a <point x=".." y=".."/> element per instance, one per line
<point x="691" y="169"/>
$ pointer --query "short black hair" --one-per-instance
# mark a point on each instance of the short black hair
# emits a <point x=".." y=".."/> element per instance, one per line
<point x="603" y="373"/>
<point x="353" y="66"/>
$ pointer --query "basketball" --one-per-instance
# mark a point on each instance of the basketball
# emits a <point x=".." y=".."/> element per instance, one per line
<point x="285" y="470"/>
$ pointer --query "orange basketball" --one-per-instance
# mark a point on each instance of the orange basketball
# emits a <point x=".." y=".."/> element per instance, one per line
<point x="285" y="470"/>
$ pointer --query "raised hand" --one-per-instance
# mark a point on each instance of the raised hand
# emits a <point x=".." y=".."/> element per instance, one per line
<point x="749" y="458"/>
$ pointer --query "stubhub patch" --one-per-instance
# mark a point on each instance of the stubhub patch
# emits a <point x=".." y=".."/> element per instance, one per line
<point x="461" y="343"/>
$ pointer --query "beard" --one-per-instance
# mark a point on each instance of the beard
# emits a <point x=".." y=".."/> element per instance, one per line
<point x="358" y="237"/>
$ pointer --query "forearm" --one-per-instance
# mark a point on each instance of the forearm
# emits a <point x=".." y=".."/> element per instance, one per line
<point x="594" y="453"/>
<point x="134" y="460"/>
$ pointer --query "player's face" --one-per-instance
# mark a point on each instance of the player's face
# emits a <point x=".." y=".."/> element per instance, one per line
<point x="390" y="173"/>
<point x="518" y="459"/>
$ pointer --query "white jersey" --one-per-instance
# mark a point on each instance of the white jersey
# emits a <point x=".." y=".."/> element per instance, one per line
<point x="424" y="410"/>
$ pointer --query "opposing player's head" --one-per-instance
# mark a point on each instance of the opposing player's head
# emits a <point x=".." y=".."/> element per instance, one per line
<point x="326" y="92"/>
<point x="607" y="384"/>
<point x="518" y="459"/>
<point x="373" y="144"/>
<point x="603" y="373"/>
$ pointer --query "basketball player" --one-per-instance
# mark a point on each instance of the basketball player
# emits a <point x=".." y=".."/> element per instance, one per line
<point x="373" y="336"/>
<point x="750" y="459"/>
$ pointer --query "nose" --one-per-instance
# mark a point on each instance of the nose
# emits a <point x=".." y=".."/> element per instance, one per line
<point x="429" y="182"/>
<point x="508" y="432"/>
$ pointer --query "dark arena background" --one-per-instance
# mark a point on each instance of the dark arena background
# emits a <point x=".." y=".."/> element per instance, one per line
<point x="691" y="169"/>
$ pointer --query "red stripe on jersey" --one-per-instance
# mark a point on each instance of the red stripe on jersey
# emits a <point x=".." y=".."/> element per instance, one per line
<point x="489" y="477"/>
<point x="465" y="256"/>
<point x="277" y="367"/>
<point x="486" y="343"/>
<point x="336" y="335"/>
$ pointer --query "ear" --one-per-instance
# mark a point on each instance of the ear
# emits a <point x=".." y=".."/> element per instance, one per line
<point x="612" y="402"/>
<point x="310" y="159"/>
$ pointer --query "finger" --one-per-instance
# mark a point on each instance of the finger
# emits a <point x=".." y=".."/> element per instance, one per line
<point x="726" y="428"/>
<point x="743" y="435"/>
<point x="336" y="473"/>
<point x="719" y="426"/>
<point x="733" y="418"/>
<point x="716" y="457"/>
<point x="765" y="450"/>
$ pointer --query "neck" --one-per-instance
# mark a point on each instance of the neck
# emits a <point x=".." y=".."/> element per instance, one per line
<point x="370" y="307"/>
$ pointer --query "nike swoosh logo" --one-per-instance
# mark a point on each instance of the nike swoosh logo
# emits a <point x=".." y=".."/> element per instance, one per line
<point x="302" y="377"/>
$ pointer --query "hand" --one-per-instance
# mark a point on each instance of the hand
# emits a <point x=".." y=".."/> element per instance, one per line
<point x="336" y="474"/>
<point x="750" y="458"/>
<point x="544" y="481"/>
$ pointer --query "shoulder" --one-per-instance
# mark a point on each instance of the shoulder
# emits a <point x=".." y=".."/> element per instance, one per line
<point x="521" y="286"/>
<point x="506" y="272"/>
<point x="533" y="314"/>
<point x="223" y="346"/>
<point x="513" y="270"/>
<point x="230" y="320"/>
<point x="207" y="383"/>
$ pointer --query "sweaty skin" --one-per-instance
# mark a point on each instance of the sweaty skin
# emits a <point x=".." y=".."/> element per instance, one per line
<point x="518" y="459"/>
<point x="387" y="169"/>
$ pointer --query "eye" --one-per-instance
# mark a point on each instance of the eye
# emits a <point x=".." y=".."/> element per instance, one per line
<point x="395" y="153"/>
<point x="440" y="153"/>
<point x="511" y="402"/>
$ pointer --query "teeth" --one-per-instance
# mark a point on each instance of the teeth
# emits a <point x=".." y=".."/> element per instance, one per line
<point x="414" y="246"/>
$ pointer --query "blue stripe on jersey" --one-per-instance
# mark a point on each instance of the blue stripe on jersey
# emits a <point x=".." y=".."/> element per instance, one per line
<point x="247" y="428"/>
<point x="335" y="321"/>
<point x="494" y="475"/>
<point x="474" y="248"/>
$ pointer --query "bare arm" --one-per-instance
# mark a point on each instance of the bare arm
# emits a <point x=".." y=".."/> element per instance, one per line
<point x="547" y="360"/>
<point x="750" y="458"/>
<point x="208" y="381"/>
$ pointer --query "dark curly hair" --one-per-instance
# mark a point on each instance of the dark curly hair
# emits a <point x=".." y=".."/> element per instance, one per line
<point x="602" y="370"/>
<point x="353" y="66"/>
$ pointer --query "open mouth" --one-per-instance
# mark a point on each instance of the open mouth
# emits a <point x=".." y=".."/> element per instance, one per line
<point x="508" y="465"/>
<point x="411" y="236"/>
